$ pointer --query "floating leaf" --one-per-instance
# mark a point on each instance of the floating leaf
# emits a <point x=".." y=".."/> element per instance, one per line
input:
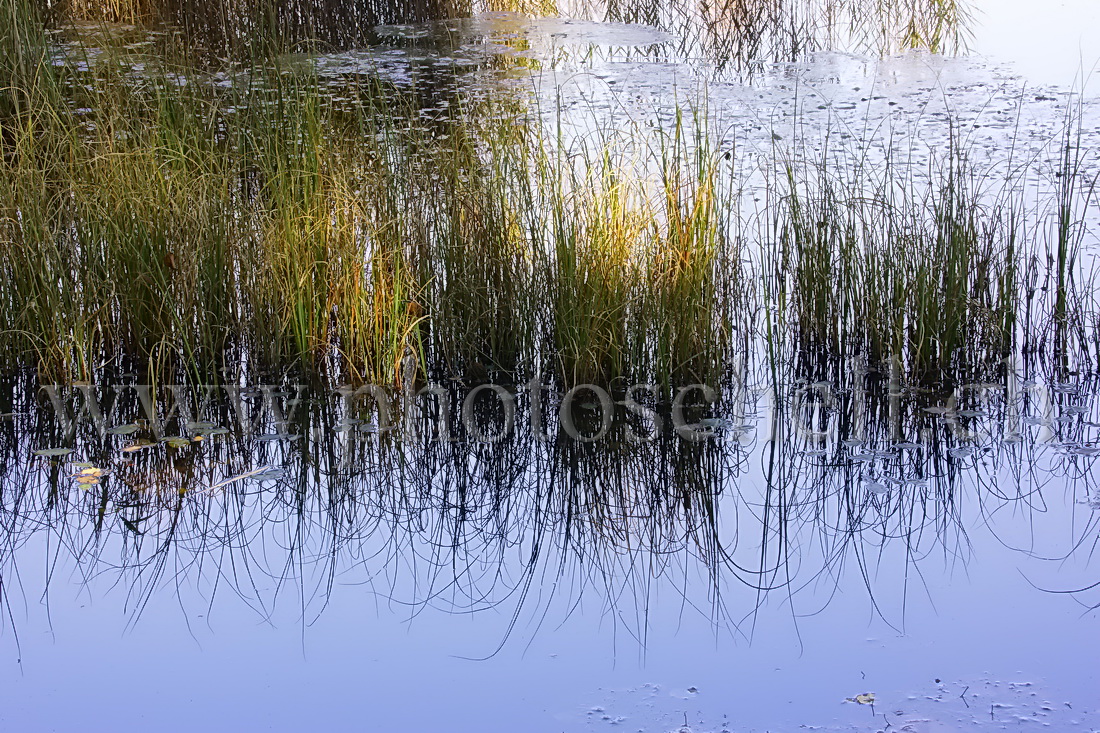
<point x="53" y="452"/>
<point x="137" y="447"/>
<point x="200" y="426"/>
<point x="867" y="698"/>
<point x="87" y="480"/>
<point x="91" y="472"/>
<point x="129" y="429"/>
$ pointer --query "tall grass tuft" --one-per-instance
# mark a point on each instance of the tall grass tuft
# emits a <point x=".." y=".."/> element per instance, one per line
<point x="921" y="271"/>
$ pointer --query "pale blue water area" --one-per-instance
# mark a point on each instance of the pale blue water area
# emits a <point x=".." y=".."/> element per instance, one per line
<point x="303" y="602"/>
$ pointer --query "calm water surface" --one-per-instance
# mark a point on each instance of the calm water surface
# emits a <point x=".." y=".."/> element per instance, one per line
<point x="266" y="612"/>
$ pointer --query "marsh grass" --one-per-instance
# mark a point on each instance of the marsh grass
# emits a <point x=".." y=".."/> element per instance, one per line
<point x="128" y="231"/>
<point x="174" y="223"/>
<point x="645" y="276"/>
<point x="886" y="265"/>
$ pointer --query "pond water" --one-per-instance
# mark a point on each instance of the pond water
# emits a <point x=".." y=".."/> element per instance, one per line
<point x="310" y="571"/>
<point x="836" y="553"/>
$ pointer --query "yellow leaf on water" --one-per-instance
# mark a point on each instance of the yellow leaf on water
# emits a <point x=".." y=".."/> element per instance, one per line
<point x="867" y="698"/>
<point x="91" y="472"/>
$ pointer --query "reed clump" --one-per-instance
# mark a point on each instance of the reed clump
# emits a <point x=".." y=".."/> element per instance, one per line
<point x="185" y="220"/>
<point x="643" y="272"/>
<point x="892" y="267"/>
<point x="162" y="228"/>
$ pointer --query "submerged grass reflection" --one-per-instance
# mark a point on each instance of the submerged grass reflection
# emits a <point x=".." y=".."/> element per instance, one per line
<point x="817" y="481"/>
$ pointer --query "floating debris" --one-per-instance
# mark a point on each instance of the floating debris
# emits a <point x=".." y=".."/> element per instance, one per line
<point x="241" y="477"/>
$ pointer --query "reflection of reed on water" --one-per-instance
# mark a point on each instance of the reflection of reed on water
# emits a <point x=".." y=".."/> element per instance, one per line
<point x="735" y="33"/>
<point x="865" y="472"/>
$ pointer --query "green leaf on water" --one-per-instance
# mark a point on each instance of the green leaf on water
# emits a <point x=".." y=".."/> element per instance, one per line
<point x="123" y="429"/>
<point x="53" y="452"/>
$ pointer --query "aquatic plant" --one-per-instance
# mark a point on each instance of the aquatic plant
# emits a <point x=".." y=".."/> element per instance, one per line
<point x="195" y="219"/>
